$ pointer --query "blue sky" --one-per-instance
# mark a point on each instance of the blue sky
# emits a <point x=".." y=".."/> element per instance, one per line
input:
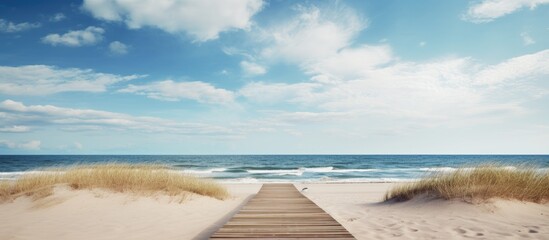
<point x="274" y="77"/>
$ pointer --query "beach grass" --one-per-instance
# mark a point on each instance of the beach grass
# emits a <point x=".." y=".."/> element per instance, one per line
<point x="478" y="184"/>
<point x="118" y="177"/>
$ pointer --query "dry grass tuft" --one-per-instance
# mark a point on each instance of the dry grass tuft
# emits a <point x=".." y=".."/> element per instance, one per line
<point x="137" y="179"/>
<point x="478" y="184"/>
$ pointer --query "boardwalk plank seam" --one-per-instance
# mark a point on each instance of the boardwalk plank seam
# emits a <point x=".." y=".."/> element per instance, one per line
<point x="280" y="211"/>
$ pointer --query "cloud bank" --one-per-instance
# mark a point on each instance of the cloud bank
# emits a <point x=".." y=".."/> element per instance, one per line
<point x="44" y="80"/>
<point x="11" y="27"/>
<point x="489" y="10"/>
<point x="203" y="20"/>
<point x="88" y="36"/>
<point x="169" y="90"/>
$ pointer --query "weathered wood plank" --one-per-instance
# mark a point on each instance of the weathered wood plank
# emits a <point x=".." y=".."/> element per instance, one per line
<point x="279" y="211"/>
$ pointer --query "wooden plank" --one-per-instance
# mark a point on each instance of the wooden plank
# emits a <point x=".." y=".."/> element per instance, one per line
<point x="280" y="211"/>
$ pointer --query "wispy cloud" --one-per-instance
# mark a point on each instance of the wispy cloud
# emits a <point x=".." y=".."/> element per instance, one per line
<point x="252" y="69"/>
<point x="58" y="17"/>
<point x="438" y="90"/>
<point x="88" y="36"/>
<point x="331" y="29"/>
<point x="29" y="145"/>
<point x="169" y="90"/>
<point x="118" y="48"/>
<point x="203" y="20"/>
<point x="527" y="39"/>
<point x="73" y="119"/>
<point x="11" y="27"/>
<point x="334" y="29"/>
<point x="488" y="10"/>
<point x="15" y="129"/>
<point x="521" y="68"/>
<point x="270" y="93"/>
<point x="372" y="80"/>
<point x="44" y="80"/>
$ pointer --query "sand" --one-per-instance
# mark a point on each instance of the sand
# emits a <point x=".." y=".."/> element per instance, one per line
<point x="99" y="214"/>
<point x="357" y="207"/>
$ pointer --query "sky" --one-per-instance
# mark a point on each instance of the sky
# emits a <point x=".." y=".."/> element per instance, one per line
<point x="274" y="77"/>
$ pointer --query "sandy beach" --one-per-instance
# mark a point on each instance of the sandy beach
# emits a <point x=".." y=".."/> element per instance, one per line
<point x="98" y="214"/>
<point x="357" y="207"/>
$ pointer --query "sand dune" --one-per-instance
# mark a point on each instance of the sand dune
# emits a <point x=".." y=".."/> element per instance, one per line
<point x="357" y="208"/>
<point x="98" y="214"/>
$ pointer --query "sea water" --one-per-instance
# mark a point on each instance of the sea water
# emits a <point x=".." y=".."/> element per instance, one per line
<point x="282" y="168"/>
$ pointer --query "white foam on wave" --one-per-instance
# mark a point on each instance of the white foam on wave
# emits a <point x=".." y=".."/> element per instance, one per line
<point x="318" y="169"/>
<point x="369" y="180"/>
<point x="202" y="172"/>
<point x="240" y="180"/>
<point x="300" y="171"/>
<point x="279" y="172"/>
<point x="356" y="170"/>
<point x="438" y="169"/>
<point x="451" y="169"/>
<point x="15" y="175"/>
<point x="4" y="174"/>
<point x="321" y="180"/>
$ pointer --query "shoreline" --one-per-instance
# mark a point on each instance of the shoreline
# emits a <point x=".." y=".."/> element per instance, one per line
<point x="319" y="182"/>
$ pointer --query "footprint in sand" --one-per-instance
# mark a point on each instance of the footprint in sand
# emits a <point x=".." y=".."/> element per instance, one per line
<point x="532" y="229"/>
<point x="460" y="230"/>
<point x="352" y="219"/>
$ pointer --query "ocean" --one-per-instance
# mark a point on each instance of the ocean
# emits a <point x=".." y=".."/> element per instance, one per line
<point x="282" y="168"/>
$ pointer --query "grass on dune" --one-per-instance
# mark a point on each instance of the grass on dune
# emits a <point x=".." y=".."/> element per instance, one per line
<point x="479" y="183"/>
<point x="137" y="179"/>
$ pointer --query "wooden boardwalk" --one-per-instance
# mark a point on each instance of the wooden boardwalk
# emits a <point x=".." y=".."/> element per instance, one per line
<point x="280" y="211"/>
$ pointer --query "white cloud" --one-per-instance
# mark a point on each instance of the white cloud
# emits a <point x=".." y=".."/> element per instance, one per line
<point x="43" y="80"/>
<point x="312" y="34"/>
<point x="277" y="92"/>
<point x="118" y="48"/>
<point x="520" y="69"/>
<point x="169" y="90"/>
<point x="30" y="145"/>
<point x="15" y="129"/>
<point x="311" y="117"/>
<point x="329" y="57"/>
<point x="527" y="39"/>
<point x="231" y="51"/>
<point x="252" y="69"/>
<point x="203" y="19"/>
<point x="369" y="80"/>
<point x="10" y="27"/>
<point x="89" y="36"/>
<point x="454" y="88"/>
<point x="422" y="43"/>
<point x="72" y="119"/>
<point x="488" y="10"/>
<point x="432" y="90"/>
<point x="57" y="17"/>
<point x="78" y="145"/>
<point x="349" y="63"/>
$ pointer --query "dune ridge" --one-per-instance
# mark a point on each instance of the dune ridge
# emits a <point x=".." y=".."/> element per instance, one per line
<point x="479" y="183"/>
<point x="142" y="179"/>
